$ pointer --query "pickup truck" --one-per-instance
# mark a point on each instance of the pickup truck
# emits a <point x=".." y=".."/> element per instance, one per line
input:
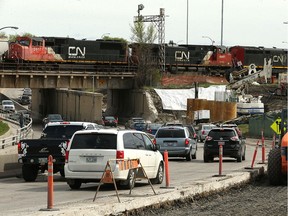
<point x="33" y="153"/>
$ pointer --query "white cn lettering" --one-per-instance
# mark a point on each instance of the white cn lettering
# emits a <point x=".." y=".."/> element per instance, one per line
<point x="75" y="51"/>
<point x="280" y="58"/>
<point x="182" y="56"/>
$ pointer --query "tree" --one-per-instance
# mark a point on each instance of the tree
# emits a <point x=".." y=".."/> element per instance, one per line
<point x="143" y="44"/>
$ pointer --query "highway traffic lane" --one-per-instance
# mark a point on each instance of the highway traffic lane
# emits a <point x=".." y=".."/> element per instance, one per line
<point x="33" y="196"/>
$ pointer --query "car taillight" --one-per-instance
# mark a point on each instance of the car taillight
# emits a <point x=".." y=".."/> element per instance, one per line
<point x="154" y="141"/>
<point x="235" y="138"/>
<point x="19" y="148"/>
<point x="66" y="156"/>
<point x="203" y="132"/>
<point x="186" y="141"/>
<point x="208" y="138"/>
<point x="120" y="155"/>
<point x="195" y="136"/>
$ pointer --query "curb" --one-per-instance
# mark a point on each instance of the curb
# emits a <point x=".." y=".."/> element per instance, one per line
<point x="129" y="203"/>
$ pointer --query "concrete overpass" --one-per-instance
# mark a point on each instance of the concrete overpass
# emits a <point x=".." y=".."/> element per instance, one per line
<point x="72" y="79"/>
<point x="52" y="93"/>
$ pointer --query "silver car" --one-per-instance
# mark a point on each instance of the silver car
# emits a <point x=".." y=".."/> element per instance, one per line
<point x="177" y="140"/>
<point x="203" y="130"/>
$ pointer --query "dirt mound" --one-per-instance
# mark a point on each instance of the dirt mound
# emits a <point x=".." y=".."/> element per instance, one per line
<point x="185" y="80"/>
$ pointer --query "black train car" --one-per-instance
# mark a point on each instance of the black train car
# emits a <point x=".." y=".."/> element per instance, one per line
<point x="186" y="55"/>
<point x="89" y="51"/>
<point x="255" y="55"/>
<point x="181" y="57"/>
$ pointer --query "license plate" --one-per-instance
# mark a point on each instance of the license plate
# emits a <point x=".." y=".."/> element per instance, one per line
<point x="169" y="144"/>
<point x="42" y="160"/>
<point x="91" y="159"/>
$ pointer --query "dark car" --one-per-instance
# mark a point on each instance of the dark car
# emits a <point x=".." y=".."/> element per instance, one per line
<point x="24" y="100"/>
<point x="110" y="121"/>
<point x="233" y="145"/>
<point x="139" y="126"/>
<point x="153" y="127"/>
<point x="52" y="118"/>
<point x="177" y="140"/>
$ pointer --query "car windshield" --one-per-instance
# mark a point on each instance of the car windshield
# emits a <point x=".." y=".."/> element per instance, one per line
<point x="208" y="127"/>
<point x="140" y="124"/>
<point x="170" y="133"/>
<point x="225" y="134"/>
<point x="138" y="120"/>
<point x="109" y="118"/>
<point x="61" y="131"/>
<point x="154" y="126"/>
<point x="7" y="103"/>
<point x="55" y="117"/>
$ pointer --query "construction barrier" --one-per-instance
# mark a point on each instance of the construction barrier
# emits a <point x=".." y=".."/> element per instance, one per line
<point x="254" y="156"/>
<point x="167" y="175"/>
<point x="273" y="141"/>
<point x="50" y="194"/>
<point x="263" y="147"/>
<point x="220" y="157"/>
<point x="50" y="183"/>
<point x="123" y="164"/>
<point x="220" y="144"/>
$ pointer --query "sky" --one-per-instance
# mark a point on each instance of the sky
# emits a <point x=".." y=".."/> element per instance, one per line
<point x="245" y="22"/>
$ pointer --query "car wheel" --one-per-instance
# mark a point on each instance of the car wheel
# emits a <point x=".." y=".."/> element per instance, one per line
<point x="74" y="184"/>
<point x="239" y="158"/>
<point x="206" y="159"/>
<point x="160" y="175"/>
<point x="244" y="155"/>
<point x="129" y="183"/>
<point x="62" y="173"/>
<point x="189" y="156"/>
<point x="194" y="155"/>
<point x="29" y="172"/>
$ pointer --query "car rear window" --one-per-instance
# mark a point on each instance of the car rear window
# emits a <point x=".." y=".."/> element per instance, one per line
<point x="225" y="134"/>
<point x="94" y="141"/>
<point x="61" y="131"/>
<point x="179" y="133"/>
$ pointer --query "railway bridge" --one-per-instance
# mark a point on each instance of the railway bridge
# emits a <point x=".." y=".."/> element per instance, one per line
<point x="72" y="92"/>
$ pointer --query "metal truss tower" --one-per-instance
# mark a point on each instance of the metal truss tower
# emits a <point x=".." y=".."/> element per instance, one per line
<point x="159" y="22"/>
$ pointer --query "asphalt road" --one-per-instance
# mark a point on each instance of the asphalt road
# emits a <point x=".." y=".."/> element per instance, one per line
<point x="20" y="196"/>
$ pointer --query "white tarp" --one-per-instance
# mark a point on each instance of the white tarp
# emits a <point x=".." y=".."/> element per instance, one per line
<point x="176" y="99"/>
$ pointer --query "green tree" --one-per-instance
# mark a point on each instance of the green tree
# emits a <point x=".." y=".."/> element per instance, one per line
<point x="143" y="41"/>
<point x="12" y="38"/>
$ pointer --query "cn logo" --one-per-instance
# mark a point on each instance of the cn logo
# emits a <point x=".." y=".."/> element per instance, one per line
<point x="182" y="56"/>
<point x="76" y="52"/>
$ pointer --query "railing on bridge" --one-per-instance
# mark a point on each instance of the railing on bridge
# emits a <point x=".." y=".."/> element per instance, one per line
<point x="20" y="133"/>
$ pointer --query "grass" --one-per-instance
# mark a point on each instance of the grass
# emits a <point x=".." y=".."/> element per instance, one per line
<point x="3" y="128"/>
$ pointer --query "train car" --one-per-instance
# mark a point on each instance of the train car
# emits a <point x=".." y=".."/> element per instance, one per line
<point x="67" y="50"/>
<point x="255" y="55"/>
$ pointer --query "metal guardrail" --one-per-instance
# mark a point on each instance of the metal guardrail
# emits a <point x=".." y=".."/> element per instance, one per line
<point x="21" y="133"/>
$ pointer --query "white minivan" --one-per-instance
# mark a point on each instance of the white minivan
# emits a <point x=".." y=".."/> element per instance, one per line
<point x="89" y="151"/>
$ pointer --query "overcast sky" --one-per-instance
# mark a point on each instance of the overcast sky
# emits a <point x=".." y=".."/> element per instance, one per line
<point x="246" y="22"/>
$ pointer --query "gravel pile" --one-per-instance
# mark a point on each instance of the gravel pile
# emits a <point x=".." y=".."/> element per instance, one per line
<point x="256" y="198"/>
